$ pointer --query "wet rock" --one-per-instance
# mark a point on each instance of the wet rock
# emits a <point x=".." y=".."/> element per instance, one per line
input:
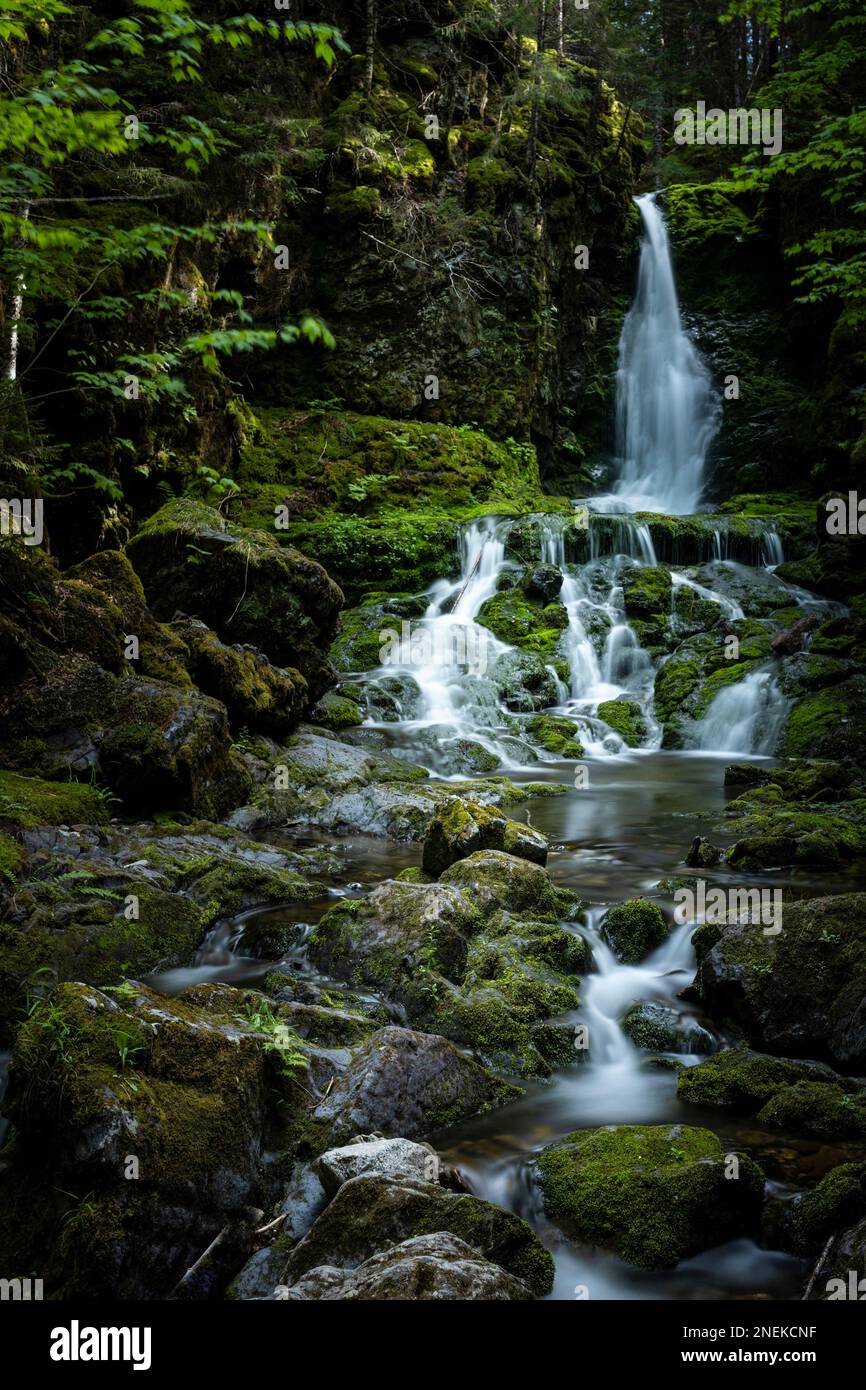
<point x="744" y="1081"/>
<point x="792" y="639"/>
<point x="804" y="1224"/>
<point x="401" y="1083"/>
<point x="658" y="1029"/>
<point x="461" y="827"/>
<point x="439" y="1266"/>
<point x="336" y="712"/>
<point x="634" y="928"/>
<point x="800" y="992"/>
<point x="542" y="582"/>
<point x="556" y="735"/>
<point x="526" y="683"/>
<point x="369" y="1213"/>
<point x="626" y="718"/>
<point x="814" y="1108"/>
<point x="654" y="1194"/>
<point x="389" y="1158"/>
<point x="841" y="1274"/>
<point x="702" y="854"/>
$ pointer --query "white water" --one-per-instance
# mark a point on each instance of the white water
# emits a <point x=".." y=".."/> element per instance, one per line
<point x="667" y="412"/>
<point x="744" y="718"/>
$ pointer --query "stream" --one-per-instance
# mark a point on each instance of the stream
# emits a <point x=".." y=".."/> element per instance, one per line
<point x="627" y="823"/>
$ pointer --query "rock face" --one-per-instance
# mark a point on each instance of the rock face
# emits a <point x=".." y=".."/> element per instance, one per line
<point x="654" y="1194"/>
<point x="801" y="993"/>
<point x="462" y="826"/>
<point x="439" y="1266"/>
<point x="244" y="585"/>
<point x="371" y="1212"/>
<point x="403" y="1083"/>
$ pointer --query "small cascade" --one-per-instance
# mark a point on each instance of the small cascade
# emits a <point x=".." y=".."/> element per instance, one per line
<point x="773" y="553"/>
<point x="667" y="411"/>
<point x="745" y="718"/>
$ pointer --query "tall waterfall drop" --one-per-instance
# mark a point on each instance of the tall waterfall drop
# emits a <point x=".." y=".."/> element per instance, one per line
<point x="667" y="412"/>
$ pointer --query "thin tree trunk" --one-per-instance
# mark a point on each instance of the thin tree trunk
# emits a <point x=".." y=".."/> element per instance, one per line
<point x="17" y="310"/>
<point x="372" y="26"/>
<point x="560" y="27"/>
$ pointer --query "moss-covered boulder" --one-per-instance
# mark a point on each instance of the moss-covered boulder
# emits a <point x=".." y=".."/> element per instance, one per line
<point x="461" y="827"/>
<point x="525" y="681"/>
<point x="555" y="734"/>
<point x="772" y="830"/>
<point x="514" y="618"/>
<point x="28" y="802"/>
<point x="626" y="718"/>
<point x="401" y="1083"/>
<point x="495" y="881"/>
<point x="258" y="695"/>
<point x="827" y="723"/>
<point x="800" y="992"/>
<point x="634" y="928"/>
<point x="740" y="1080"/>
<point x="401" y="939"/>
<point x="816" y="1109"/>
<point x="243" y="583"/>
<point x="654" y="1194"/>
<point x="370" y="1212"/>
<point x="805" y="1224"/>
<point x="647" y="598"/>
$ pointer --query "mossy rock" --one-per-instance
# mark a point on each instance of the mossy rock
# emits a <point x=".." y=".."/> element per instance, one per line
<point x="654" y="1194"/>
<point x="336" y="712"/>
<point x="243" y="583"/>
<point x="462" y="827"/>
<point x="514" y="618"/>
<point x="634" y="928"/>
<point x="626" y="718"/>
<point x="739" y="1080"/>
<point x="556" y="735"/>
<point x="495" y="881"/>
<point x="28" y="802"/>
<point x="257" y="694"/>
<point x="814" y="1108"/>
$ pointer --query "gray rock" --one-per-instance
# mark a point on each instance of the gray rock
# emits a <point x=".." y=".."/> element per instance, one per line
<point x="434" y="1267"/>
<point x="403" y="1084"/>
<point x="390" y="1158"/>
<point x="370" y="1213"/>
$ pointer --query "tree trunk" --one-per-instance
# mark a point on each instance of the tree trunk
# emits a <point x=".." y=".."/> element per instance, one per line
<point x="17" y="306"/>
<point x="372" y="26"/>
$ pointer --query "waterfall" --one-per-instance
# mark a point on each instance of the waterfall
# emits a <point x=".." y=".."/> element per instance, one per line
<point x="745" y="718"/>
<point x="667" y="412"/>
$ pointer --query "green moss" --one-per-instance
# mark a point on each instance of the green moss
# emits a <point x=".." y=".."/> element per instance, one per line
<point x="28" y="802"/>
<point x="634" y="928"/>
<point x="556" y="734"/>
<point x="676" y="679"/>
<point x="626" y="718"/>
<point x="810" y="720"/>
<point x="655" y="1194"/>
<point x="739" y="1080"/>
<point x="515" y="619"/>
<point x="819" y="1109"/>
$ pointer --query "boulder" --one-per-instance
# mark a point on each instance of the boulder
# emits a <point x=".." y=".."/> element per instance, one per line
<point x="439" y="1266"/>
<point x="658" y="1029"/>
<point x="244" y="584"/>
<point x="654" y="1194"/>
<point x="373" y="1212"/>
<point x="634" y="928"/>
<point x="401" y="1083"/>
<point x="801" y="993"/>
<point x="390" y="1158"/>
<point x="461" y="827"/>
<point x="257" y="695"/>
<point x="494" y="881"/>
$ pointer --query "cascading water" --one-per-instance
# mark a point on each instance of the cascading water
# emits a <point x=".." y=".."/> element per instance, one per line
<point x="745" y="718"/>
<point x="667" y="412"/>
